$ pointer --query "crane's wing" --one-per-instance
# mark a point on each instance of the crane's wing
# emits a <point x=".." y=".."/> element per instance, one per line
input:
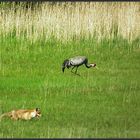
<point x="79" y="60"/>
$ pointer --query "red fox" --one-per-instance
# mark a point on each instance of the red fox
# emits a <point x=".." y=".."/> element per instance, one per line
<point x="24" y="114"/>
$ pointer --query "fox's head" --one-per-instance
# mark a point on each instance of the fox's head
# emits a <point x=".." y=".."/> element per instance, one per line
<point x="38" y="112"/>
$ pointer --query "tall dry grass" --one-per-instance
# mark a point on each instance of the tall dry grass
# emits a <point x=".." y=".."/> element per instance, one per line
<point x="66" y="20"/>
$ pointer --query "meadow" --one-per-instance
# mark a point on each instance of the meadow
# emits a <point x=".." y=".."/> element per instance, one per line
<point x="100" y="103"/>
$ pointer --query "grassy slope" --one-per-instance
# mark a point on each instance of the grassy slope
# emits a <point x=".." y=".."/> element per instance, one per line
<point x="99" y="103"/>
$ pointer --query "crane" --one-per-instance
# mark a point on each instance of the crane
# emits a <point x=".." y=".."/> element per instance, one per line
<point x="75" y="62"/>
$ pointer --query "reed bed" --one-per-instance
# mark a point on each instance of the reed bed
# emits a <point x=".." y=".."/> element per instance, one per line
<point x="71" y="20"/>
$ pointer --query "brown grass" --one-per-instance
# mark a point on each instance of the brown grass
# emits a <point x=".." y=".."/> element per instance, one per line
<point x="66" y="20"/>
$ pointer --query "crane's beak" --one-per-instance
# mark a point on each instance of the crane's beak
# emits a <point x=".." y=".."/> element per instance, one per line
<point x="97" y="68"/>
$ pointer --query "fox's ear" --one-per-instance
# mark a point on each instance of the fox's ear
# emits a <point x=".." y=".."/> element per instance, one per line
<point x="37" y="109"/>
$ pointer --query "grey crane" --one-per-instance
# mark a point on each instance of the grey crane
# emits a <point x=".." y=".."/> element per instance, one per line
<point x="76" y="62"/>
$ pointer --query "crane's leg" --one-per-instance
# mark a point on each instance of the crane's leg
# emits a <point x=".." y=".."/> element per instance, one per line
<point x="72" y="68"/>
<point x="76" y="70"/>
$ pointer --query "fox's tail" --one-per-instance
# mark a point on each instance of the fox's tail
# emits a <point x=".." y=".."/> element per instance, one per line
<point x="8" y="114"/>
<point x="2" y="116"/>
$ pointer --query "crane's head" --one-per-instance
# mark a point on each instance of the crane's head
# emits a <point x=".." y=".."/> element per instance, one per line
<point x="65" y="64"/>
<point x="93" y="65"/>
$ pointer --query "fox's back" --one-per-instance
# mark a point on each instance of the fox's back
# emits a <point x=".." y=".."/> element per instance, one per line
<point x="24" y="114"/>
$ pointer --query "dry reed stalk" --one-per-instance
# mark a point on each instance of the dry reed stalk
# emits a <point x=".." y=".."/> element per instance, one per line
<point x="66" y="20"/>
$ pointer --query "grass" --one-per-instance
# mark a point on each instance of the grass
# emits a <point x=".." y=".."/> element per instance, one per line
<point x="99" y="103"/>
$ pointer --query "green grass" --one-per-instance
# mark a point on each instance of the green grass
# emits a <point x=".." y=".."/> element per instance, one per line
<point x="100" y="102"/>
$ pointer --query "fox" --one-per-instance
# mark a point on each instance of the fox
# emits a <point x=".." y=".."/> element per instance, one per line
<point x="23" y="114"/>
